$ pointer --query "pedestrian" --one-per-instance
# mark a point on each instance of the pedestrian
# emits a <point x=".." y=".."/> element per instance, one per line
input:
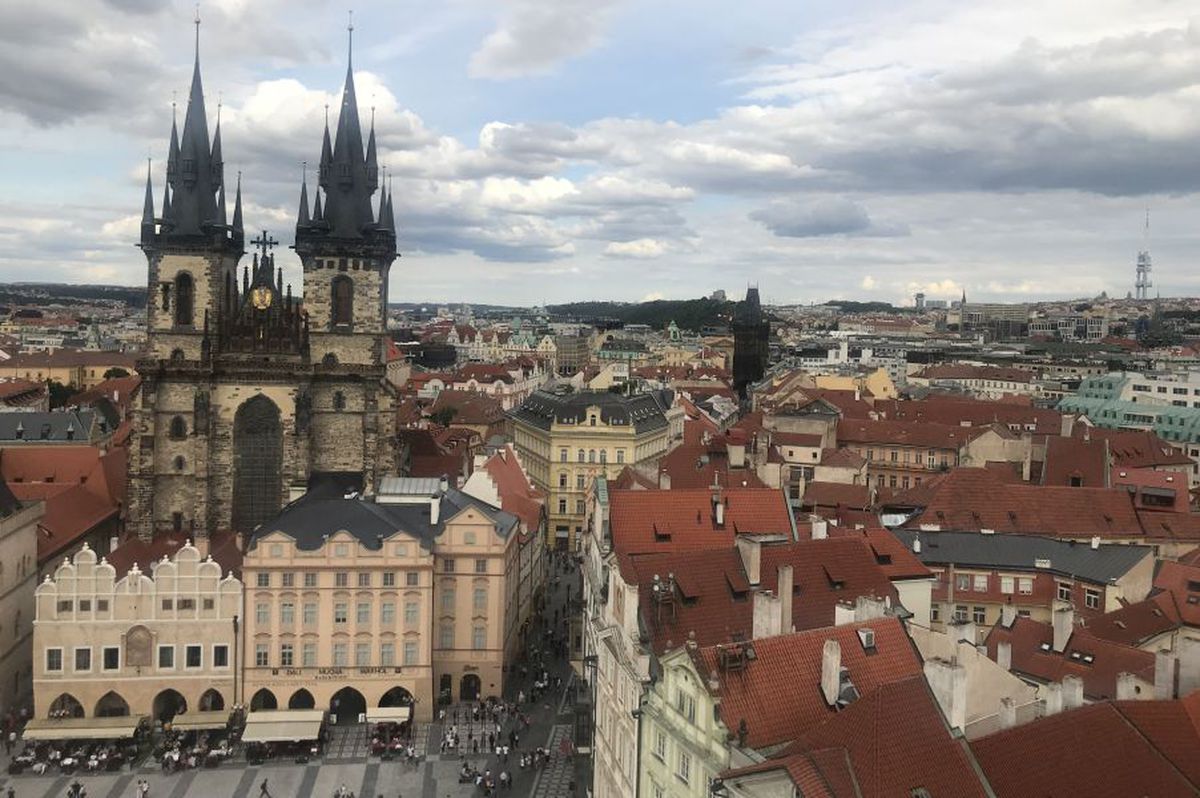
<point x="263" y="792"/>
<point x="9" y="740"/>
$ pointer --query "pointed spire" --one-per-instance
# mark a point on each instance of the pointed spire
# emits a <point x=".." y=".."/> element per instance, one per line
<point x="148" y="207"/>
<point x="278" y="277"/>
<point x="221" y="219"/>
<point x="326" y="164"/>
<point x="166" y="203"/>
<point x="382" y="205"/>
<point x="173" y="147"/>
<point x="318" y="216"/>
<point x="218" y="166"/>
<point x="302" y="216"/>
<point x="391" y="213"/>
<point x="194" y="198"/>
<point x="372" y="165"/>
<point x="237" y="210"/>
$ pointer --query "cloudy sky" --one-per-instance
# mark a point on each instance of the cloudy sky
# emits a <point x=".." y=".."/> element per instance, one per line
<point x="556" y="150"/>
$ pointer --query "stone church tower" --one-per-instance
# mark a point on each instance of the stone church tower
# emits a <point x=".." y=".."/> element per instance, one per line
<point x="249" y="393"/>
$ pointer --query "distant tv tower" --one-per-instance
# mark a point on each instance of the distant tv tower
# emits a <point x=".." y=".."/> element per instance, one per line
<point x="1142" y="283"/>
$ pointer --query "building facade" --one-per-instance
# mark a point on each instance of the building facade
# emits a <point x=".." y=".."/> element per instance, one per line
<point x="18" y="578"/>
<point x="566" y="439"/>
<point x="147" y="642"/>
<point x="247" y="390"/>
<point x="751" y="343"/>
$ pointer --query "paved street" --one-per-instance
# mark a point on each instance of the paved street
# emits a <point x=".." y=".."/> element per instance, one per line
<point x="347" y="763"/>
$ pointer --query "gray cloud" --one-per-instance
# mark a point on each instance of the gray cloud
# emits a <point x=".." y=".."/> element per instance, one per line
<point x="827" y="216"/>
<point x="533" y="36"/>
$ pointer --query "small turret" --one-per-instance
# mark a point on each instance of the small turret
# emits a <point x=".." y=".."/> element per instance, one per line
<point x="302" y="216"/>
<point x="148" y="209"/>
<point x="239" y="234"/>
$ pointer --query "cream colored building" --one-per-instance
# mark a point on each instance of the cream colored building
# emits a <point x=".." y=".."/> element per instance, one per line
<point x="152" y="642"/>
<point x="353" y="603"/>
<point x="566" y="439"/>
<point x="18" y="578"/>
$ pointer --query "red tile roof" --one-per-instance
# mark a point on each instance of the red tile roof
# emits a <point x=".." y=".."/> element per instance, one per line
<point x="1182" y="581"/>
<point x="825" y="773"/>
<point x="698" y="467"/>
<point x="1074" y="462"/>
<point x="1173" y="727"/>
<point x="893" y="557"/>
<point x="811" y="440"/>
<point x="1136" y="623"/>
<point x="1171" y="526"/>
<point x="632" y="479"/>
<point x="1090" y="751"/>
<point x="904" y="433"/>
<point x="842" y="458"/>
<point x="778" y="693"/>
<point x="672" y="520"/>
<point x="1033" y="655"/>
<point x="518" y="495"/>
<point x="469" y="407"/>
<point x="963" y="371"/>
<point x="958" y="411"/>
<point x="836" y="494"/>
<point x="118" y="390"/>
<point x="1134" y="448"/>
<point x="222" y="546"/>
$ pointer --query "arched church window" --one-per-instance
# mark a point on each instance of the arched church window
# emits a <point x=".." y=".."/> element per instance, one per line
<point x="176" y="355"/>
<point x="339" y="400"/>
<point x="329" y="360"/>
<point x="179" y="462"/>
<point x="178" y="428"/>
<point x="343" y="300"/>
<point x="184" y="299"/>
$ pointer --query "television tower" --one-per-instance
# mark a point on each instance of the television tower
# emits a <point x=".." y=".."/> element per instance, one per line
<point x="1142" y="283"/>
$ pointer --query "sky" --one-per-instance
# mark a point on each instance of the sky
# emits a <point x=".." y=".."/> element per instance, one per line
<point x="546" y="151"/>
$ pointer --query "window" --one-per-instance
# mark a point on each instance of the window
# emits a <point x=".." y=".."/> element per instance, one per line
<point x="981" y="583"/>
<point x="339" y="655"/>
<point x="683" y="771"/>
<point x="580" y="481"/>
<point x="481" y="566"/>
<point x="1007" y="584"/>
<point x="364" y="579"/>
<point x="580" y="456"/>
<point x="479" y="638"/>
<point x="102" y="605"/>
<point x="339" y="400"/>
<point x="960" y="612"/>
<point x="446" y="636"/>
<point x="412" y="612"/>
<point x="308" y="655"/>
<point x="448" y="599"/>
<point x="362" y="654"/>
<point x="168" y="604"/>
<point x="1064" y="591"/>
<point x="193" y="656"/>
<point x="660" y="745"/>
<point x="1025" y="586"/>
<point x="686" y="705"/>
<point x="935" y="613"/>
<point x="262" y="613"/>
<point x="410" y="652"/>
<point x="620" y="455"/>
<point x="603" y="456"/>
<point x="562" y="506"/>
<point x="65" y="605"/>
<point x="591" y="455"/>
<point x="310" y="613"/>
<point x="287" y="613"/>
<point x="979" y="614"/>
<point x="387" y="654"/>
<point x="263" y="580"/>
<point x="412" y="579"/>
<point x="184" y="297"/>
<point x="178" y="429"/>
<point x="962" y="582"/>
<point x="339" y="612"/>
<point x="289" y="580"/>
<point x="389" y="578"/>
<point x="166" y="656"/>
<point x="342" y="300"/>
<point x="579" y="507"/>
<point x="310" y="580"/>
<point x="562" y="455"/>
<point x="448" y="565"/>
<point x="286" y="655"/>
<point x="1091" y="598"/>
<point x="54" y="660"/>
<point x="562" y="479"/>
<point x="387" y="613"/>
<point x="220" y="657"/>
<point x="341" y="579"/>
<point x="83" y="659"/>
<point x="479" y="601"/>
<point x="362" y="613"/>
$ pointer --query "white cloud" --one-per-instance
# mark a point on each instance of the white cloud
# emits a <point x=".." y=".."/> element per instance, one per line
<point x="533" y="36"/>
<point x="868" y="283"/>
<point x="642" y="248"/>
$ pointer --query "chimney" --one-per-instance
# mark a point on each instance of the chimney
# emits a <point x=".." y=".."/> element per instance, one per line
<point x="831" y="671"/>
<point x="820" y="529"/>
<point x="1004" y="655"/>
<point x="1126" y="686"/>
<point x="843" y="613"/>
<point x="1068" y="424"/>
<point x="868" y="608"/>
<point x="767" y="612"/>
<point x="916" y="545"/>
<point x="737" y="454"/>
<point x="443" y="484"/>
<point x="1064" y="624"/>
<point x="948" y="681"/>
<point x="435" y="507"/>
<point x="1164" y="675"/>
<point x="1095" y="542"/>
<point x="1052" y="702"/>
<point x="965" y="631"/>
<point x="784" y="589"/>
<point x="719" y="512"/>
<point x="1008" y="616"/>
<point x="1008" y="713"/>
<point x="750" y="550"/>
<point x="1072" y="692"/>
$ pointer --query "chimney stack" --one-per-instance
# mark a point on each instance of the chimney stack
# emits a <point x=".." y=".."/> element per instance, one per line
<point x="1008" y="713"/>
<point x="767" y="612"/>
<point x="1064" y="624"/>
<point x="1008" y="616"/>
<point x="1072" y="692"/>
<point x="1126" y="686"/>
<point x="831" y="671"/>
<point x="820" y="529"/>
<point x="868" y="608"/>
<point x="1095" y="542"/>
<point x="948" y="681"/>
<point x="784" y="590"/>
<point x="1164" y="675"/>
<point x="1004" y="655"/>
<point x="1053" y="698"/>
<point x="965" y="631"/>
<point x="435" y="508"/>
<point x="719" y="512"/>
<point x="750" y="550"/>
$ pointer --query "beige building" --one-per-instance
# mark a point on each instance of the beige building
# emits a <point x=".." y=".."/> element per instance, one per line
<point x="566" y="439"/>
<point x="353" y="603"/>
<point x="154" y="641"/>
<point x="18" y="578"/>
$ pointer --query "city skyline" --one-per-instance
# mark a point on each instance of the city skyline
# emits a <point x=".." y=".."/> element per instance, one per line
<point x="1008" y="150"/>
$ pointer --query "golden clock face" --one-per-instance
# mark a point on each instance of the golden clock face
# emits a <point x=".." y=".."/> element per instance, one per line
<point x="260" y="298"/>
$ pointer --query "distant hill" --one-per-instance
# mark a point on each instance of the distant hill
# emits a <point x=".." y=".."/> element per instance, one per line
<point x="64" y="294"/>
<point x="865" y="307"/>
<point x="689" y="314"/>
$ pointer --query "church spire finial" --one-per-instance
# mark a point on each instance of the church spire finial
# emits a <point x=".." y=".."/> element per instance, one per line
<point x="197" y="23"/>
<point x="350" y="38"/>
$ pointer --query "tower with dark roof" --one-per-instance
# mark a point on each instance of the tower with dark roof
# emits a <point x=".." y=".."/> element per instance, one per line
<point x="345" y="246"/>
<point x="751" y="343"/>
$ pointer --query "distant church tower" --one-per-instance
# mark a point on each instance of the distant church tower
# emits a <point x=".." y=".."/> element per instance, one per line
<point x="751" y="343"/>
<point x="243" y="402"/>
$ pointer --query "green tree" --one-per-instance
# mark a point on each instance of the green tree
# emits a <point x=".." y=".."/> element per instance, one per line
<point x="59" y="394"/>
<point x="115" y="372"/>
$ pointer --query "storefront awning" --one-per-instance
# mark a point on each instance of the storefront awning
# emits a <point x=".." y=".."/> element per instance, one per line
<point x="201" y="721"/>
<point x="82" y="728"/>
<point x="283" y="725"/>
<point x="388" y="714"/>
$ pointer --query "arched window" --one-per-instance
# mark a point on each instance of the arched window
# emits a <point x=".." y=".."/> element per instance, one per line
<point x="179" y="462"/>
<point x="177" y="355"/>
<point x="178" y="429"/>
<point x="581" y="456"/>
<point x="591" y="455"/>
<point x="342" y="297"/>
<point x="184" y="298"/>
<point x="339" y="400"/>
<point x="603" y="455"/>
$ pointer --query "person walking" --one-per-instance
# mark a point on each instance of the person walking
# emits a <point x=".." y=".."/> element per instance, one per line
<point x="263" y="792"/>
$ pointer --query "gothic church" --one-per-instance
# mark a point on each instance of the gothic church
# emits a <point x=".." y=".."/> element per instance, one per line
<point x="250" y="392"/>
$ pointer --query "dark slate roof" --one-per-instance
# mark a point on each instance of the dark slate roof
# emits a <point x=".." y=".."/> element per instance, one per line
<point x="646" y="411"/>
<point x="53" y="426"/>
<point x="311" y="518"/>
<point x="1020" y="553"/>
